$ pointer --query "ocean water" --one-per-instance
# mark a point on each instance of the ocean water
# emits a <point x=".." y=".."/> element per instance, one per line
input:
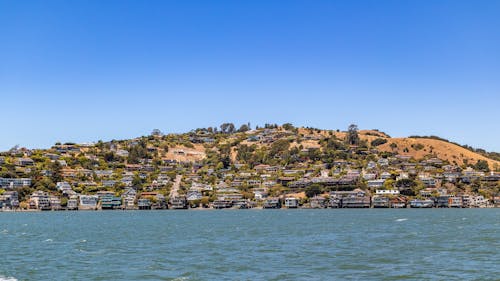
<point x="368" y="244"/>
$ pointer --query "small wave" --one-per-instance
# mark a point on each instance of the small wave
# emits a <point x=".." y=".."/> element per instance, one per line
<point x="5" y="278"/>
<point x="401" y="219"/>
<point x="83" y="241"/>
<point x="48" y="240"/>
<point x="5" y="231"/>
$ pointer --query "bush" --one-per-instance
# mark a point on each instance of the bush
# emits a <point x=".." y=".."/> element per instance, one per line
<point x="378" y="141"/>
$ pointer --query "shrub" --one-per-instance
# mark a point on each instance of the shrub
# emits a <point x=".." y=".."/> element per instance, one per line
<point x="378" y="141"/>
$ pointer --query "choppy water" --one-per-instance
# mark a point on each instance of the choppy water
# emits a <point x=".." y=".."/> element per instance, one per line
<point x="374" y="244"/>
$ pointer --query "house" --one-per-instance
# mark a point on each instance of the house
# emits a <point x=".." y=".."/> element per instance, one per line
<point x="39" y="200"/>
<point x="376" y="183"/>
<point x="157" y="199"/>
<point x="24" y="162"/>
<point x="194" y="195"/>
<point x="88" y="202"/>
<point x="383" y="162"/>
<point x="385" y="175"/>
<point x="398" y="202"/>
<point x="72" y="203"/>
<point x="260" y="193"/>
<point x="455" y="202"/>
<point x="178" y="202"/>
<point x="63" y="185"/>
<point x="128" y="198"/>
<point x="55" y="202"/>
<point x="144" y="204"/>
<point x="272" y="203"/>
<point x="9" y="200"/>
<point x="496" y="200"/>
<point x="317" y="202"/>
<point x="369" y="176"/>
<point x="419" y="203"/>
<point x="354" y="193"/>
<point x="222" y="204"/>
<point x="356" y="202"/>
<point x="110" y="202"/>
<point x="335" y="202"/>
<point x="442" y="201"/>
<point x="10" y="183"/>
<point x="291" y="202"/>
<point x="285" y="180"/>
<point x="381" y="202"/>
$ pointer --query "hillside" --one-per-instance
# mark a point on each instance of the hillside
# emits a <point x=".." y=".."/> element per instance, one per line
<point x="246" y="164"/>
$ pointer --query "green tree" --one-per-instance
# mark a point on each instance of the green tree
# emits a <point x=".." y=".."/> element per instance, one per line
<point x="313" y="190"/>
<point x="482" y="165"/>
<point x="352" y="137"/>
<point x="378" y="141"/>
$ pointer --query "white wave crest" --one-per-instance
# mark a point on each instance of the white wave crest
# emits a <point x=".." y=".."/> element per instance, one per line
<point x="401" y="219"/>
<point x="5" y="278"/>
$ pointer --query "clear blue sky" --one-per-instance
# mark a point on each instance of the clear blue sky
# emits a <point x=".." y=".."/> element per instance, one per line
<point x="88" y="70"/>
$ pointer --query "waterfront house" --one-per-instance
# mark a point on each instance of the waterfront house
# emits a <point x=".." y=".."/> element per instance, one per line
<point x="144" y="204"/>
<point x="356" y="202"/>
<point x="55" y="202"/>
<point x="291" y="202"/>
<point x="129" y="197"/>
<point x="272" y="203"/>
<point x="442" y="201"/>
<point x="88" y="202"/>
<point x="178" y="202"/>
<point x="39" y="200"/>
<point x="9" y="200"/>
<point x="318" y="202"/>
<point x="72" y="203"/>
<point x="335" y="202"/>
<point x="222" y="204"/>
<point x="455" y="202"/>
<point x="398" y="202"/>
<point x="157" y="199"/>
<point x="496" y="201"/>
<point x="419" y="203"/>
<point x="381" y="202"/>
<point x="110" y="202"/>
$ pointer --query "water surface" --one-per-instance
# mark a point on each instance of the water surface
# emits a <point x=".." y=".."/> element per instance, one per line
<point x="369" y="244"/>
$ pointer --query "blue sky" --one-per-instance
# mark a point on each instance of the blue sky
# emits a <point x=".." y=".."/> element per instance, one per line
<point x="88" y="70"/>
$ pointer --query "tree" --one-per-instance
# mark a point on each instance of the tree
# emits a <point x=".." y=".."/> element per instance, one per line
<point x="227" y="128"/>
<point x="482" y="165"/>
<point x="243" y="128"/>
<point x="156" y="132"/>
<point x="56" y="168"/>
<point x="352" y="137"/>
<point x="288" y="126"/>
<point x="313" y="190"/>
<point x="378" y="141"/>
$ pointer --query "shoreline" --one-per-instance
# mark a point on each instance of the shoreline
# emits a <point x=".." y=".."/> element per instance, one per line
<point x="230" y="209"/>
